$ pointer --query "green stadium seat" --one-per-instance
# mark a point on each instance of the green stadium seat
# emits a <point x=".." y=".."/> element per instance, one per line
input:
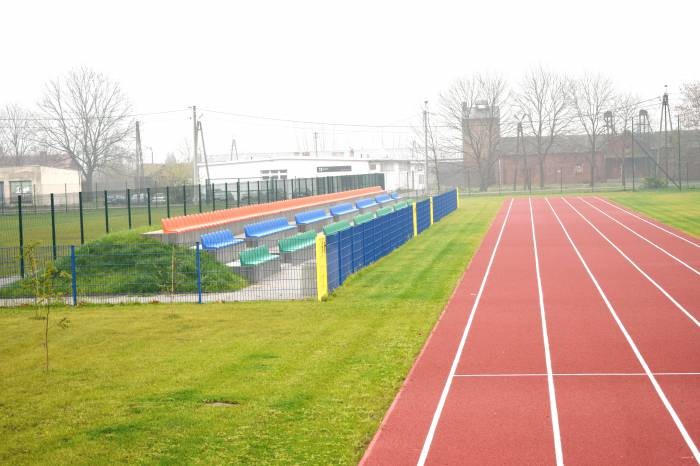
<point x="363" y="218"/>
<point x="256" y="256"/>
<point x="385" y="211"/>
<point x="334" y="228"/>
<point x="298" y="241"/>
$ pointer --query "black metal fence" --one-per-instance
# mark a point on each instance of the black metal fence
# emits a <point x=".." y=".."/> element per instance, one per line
<point x="76" y="218"/>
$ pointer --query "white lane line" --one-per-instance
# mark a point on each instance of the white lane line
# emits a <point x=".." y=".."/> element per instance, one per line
<point x="448" y="383"/>
<point x="578" y="374"/>
<point x="692" y="243"/>
<point x="651" y="280"/>
<point x="689" y="267"/>
<point x="640" y="358"/>
<point x="559" y="456"/>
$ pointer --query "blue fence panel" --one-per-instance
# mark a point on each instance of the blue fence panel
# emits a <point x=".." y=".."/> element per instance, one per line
<point x="352" y="249"/>
<point x="423" y="215"/>
<point x="358" y="250"/>
<point x="332" y="248"/>
<point x="443" y="204"/>
<point x="345" y="253"/>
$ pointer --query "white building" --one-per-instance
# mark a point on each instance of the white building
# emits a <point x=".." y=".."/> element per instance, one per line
<point x="35" y="181"/>
<point x="399" y="173"/>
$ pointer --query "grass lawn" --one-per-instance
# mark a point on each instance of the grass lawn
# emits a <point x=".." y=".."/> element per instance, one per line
<point x="308" y="382"/>
<point x="681" y="210"/>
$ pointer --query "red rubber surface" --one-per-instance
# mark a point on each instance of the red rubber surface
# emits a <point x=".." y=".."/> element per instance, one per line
<point x="497" y="409"/>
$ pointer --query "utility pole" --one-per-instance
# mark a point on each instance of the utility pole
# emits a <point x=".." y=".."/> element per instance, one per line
<point x="204" y="150"/>
<point x="139" y="157"/>
<point x="520" y="153"/>
<point x="195" y="175"/>
<point x="678" y="127"/>
<point x="664" y="125"/>
<point x="425" y="131"/>
<point x="316" y="143"/>
<point x="634" y="162"/>
<point x="234" y="148"/>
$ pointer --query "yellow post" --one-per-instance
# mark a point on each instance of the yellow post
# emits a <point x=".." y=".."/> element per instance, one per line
<point x="415" y="220"/>
<point x="457" y="189"/>
<point x="431" y="210"/>
<point x="321" y="267"/>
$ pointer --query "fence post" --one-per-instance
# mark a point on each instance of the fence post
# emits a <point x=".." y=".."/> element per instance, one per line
<point x="167" y="201"/>
<point x="106" y="212"/>
<point x="258" y="192"/>
<point x="148" y="203"/>
<point x="238" y="193"/>
<point x="198" y="267"/>
<point x="415" y="220"/>
<point x="128" y="206"/>
<point x="184" y="199"/>
<point x="431" y="210"/>
<point x="53" y="227"/>
<point x="213" y="198"/>
<point x="82" y="225"/>
<point x="199" y="196"/>
<point x="21" y="236"/>
<point x="73" y="276"/>
<point x="226" y="195"/>
<point x="321" y="267"/>
<point x="561" y="181"/>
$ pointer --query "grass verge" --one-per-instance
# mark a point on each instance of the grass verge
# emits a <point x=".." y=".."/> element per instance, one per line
<point x="678" y="209"/>
<point x="301" y="382"/>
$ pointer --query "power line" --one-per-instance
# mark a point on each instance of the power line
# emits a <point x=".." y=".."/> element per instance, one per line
<point x="128" y="115"/>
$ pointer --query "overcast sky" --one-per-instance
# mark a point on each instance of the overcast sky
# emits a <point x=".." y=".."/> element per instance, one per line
<point x="359" y="62"/>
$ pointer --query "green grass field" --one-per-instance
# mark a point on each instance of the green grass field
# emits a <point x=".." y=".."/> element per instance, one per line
<point x="308" y="382"/>
<point x="681" y="210"/>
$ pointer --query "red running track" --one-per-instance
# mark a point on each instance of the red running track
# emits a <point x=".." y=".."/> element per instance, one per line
<point x="571" y="338"/>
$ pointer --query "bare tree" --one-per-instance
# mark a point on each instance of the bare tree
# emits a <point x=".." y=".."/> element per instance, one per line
<point x="689" y="109"/>
<point x="542" y="101"/>
<point x="625" y="109"/>
<point x="17" y="133"/>
<point x="471" y="109"/>
<point x="591" y="96"/>
<point x="86" y="116"/>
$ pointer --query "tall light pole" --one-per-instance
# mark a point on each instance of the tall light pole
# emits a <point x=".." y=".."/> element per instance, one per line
<point x="195" y="175"/>
<point x="425" y="131"/>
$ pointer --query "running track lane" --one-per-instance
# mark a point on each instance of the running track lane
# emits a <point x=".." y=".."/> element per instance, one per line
<point x="673" y="274"/>
<point x="675" y="241"/>
<point x="400" y="437"/>
<point x="604" y="417"/>
<point x="609" y="410"/>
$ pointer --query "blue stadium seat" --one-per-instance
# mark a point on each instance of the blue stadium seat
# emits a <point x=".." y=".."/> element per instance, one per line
<point x="396" y="196"/>
<point x="313" y="216"/>
<point x="343" y="209"/>
<point x="365" y="203"/>
<point x="383" y="199"/>
<point x="268" y="227"/>
<point x="218" y="239"/>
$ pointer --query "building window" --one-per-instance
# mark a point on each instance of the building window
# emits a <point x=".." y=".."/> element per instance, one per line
<point x="20" y="187"/>
<point x="372" y="166"/>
